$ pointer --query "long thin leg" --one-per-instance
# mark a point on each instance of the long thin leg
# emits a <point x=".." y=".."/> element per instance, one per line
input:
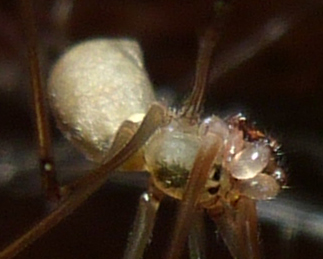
<point x="197" y="237"/>
<point x="144" y="223"/>
<point x="206" y="46"/>
<point x="47" y="166"/>
<point x="76" y="193"/>
<point x="61" y="15"/>
<point x="238" y="226"/>
<point x="204" y="161"/>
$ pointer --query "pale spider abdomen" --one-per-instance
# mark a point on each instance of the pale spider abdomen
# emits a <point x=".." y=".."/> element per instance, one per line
<point x="94" y="87"/>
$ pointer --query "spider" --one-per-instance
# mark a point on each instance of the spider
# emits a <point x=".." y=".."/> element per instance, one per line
<point x="249" y="135"/>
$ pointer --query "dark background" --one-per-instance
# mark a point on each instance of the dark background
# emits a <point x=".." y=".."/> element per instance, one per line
<point x="279" y="86"/>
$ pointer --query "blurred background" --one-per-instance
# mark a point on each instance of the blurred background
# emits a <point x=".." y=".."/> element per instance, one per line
<point x="268" y="64"/>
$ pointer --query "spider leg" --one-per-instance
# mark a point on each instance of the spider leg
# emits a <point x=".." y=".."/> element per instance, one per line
<point x="46" y="161"/>
<point x="197" y="236"/>
<point x="238" y="226"/>
<point x="124" y="134"/>
<point x="210" y="146"/>
<point x="144" y="222"/>
<point x="76" y="193"/>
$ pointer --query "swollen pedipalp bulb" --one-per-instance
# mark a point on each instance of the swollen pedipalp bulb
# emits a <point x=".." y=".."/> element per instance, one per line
<point x="260" y="187"/>
<point x="250" y="161"/>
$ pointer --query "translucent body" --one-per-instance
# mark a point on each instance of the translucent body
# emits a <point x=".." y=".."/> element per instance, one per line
<point x="94" y="87"/>
<point x="99" y="84"/>
<point x="170" y="155"/>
